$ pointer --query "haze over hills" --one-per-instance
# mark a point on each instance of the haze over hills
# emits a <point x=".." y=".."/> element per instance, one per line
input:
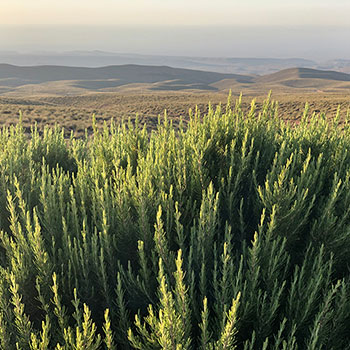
<point x="125" y="73"/>
<point x="235" y="65"/>
<point x="156" y="77"/>
<point x="62" y="80"/>
<point x="303" y="73"/>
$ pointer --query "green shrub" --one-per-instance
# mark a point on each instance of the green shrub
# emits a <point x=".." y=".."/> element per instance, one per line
<point x="231" y="233"/>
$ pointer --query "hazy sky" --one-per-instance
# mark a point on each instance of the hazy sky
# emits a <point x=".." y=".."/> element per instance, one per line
<point x="308" y="28"/>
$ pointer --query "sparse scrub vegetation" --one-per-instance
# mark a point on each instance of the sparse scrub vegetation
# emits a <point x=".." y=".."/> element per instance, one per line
<point x="74" y="112"/>
<point x="231" y="233"/>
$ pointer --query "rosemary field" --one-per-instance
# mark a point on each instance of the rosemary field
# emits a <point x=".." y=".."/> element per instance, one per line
<point x="230" y="233"/>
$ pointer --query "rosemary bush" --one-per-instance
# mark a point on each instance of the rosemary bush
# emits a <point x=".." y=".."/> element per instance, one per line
<point x="231" y="233"/>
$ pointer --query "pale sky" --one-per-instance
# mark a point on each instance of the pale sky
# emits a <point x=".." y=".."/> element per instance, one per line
<point x="143" y="26"/>
<point x="175" y="12"/>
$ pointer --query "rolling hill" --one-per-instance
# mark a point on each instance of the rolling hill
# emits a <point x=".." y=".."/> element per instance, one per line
<point x="96" y="58"/>
<point x="306" y="78"/>
<point x="303" y="73"/>
<point x="19" y="81"/>
<point x="111" y="76"/>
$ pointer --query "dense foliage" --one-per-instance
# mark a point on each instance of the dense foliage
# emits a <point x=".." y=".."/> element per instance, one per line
<point x="233" y="232"/>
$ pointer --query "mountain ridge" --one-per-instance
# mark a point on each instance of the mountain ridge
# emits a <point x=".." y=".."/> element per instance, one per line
<point x="236" y="65"/>
<point x="56" y="79"/>
<point x="301" y="72"/>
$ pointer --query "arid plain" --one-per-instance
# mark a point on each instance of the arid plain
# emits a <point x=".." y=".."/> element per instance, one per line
<point x="72" y="103"/>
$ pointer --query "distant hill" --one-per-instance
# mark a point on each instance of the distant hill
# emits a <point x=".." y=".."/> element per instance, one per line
<point x="233" y="65"/>
<point x="19" y="81"/>
<point x="125" y="74"/>
<point x="303" y="73"/>
<point x="340" y="65"/>
<point x="165" y="78"/>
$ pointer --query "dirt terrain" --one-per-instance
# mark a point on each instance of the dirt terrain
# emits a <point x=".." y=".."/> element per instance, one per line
<point x="75" y="112"/>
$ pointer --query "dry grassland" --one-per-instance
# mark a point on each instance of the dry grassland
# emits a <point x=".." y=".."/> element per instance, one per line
<point x="75" y="113"/>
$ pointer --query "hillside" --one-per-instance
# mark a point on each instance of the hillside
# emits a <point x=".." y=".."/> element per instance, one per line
<point x="303" y="73"/>
<point x="27" y="81"/>
<point x="96" y="58"/>
<point x="111" y="76"/>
